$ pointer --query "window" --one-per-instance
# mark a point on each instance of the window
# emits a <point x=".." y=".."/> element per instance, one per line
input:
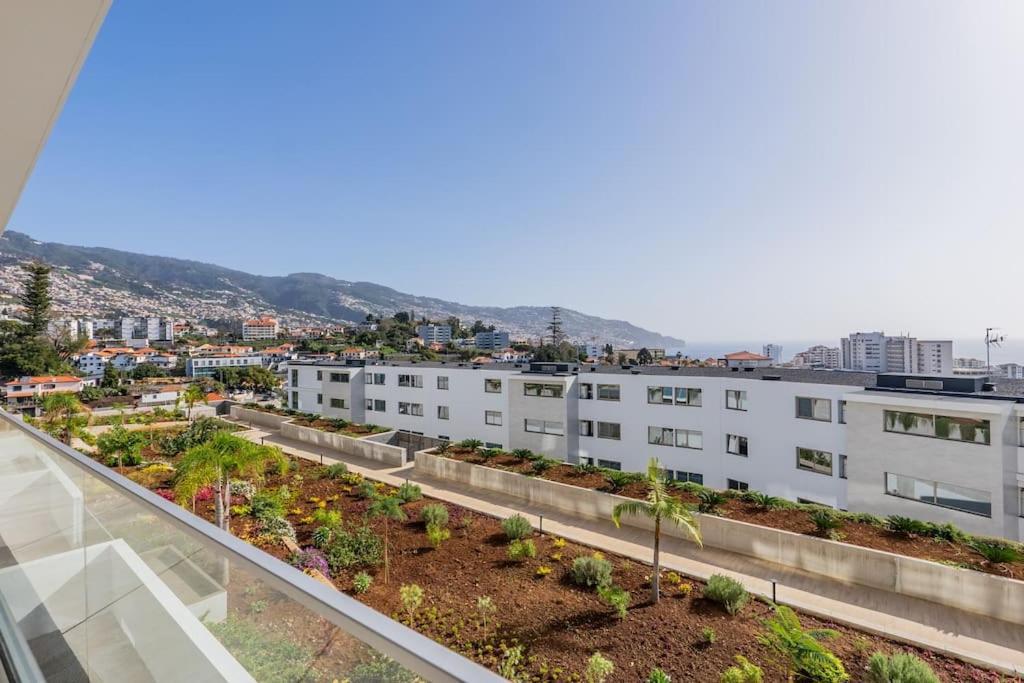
<point x="339" y="377"/>
<point x="660" y="436"/>
<point x="492" y="386"/>
<point x="663" y="395"/>
<point x="735" y="399"/>
<point x="491" y="444"/>
<point x="679" y="475"/>
<point x="814" y="408"/>
<point x="737" y="485"/>
<point x="375" y="378"/>
<point x="415" y="409"/>
<point x="415" y="381"/>
<point x="688" y="397"/>
<point x="319" y="399"/>
<point x="609" y="430"/>
<point x="295" y="377"/>
<point x="319" y="375"/>
<point x="737" y="445"/>
<point x="610" y="464"/>
<point x="842" y="466"/>
<point x="973" y="501"/>
<point x="810" y="460"/>
<point x="586" y="427"/>
<point x="842" y="412"/>
<point x="492" y="417"/>
<point x="376" y="405"/>
<point x="608" y="392"/>
<point x="442" y="382"/>
<point x="442" y="412"/>
<point x="543" y="390"/>
<point x="543" y="427"/>
<point x="938" y="426"/>
<point x="586" y="390"/>
<point x="1021" y="496"/>
<point x="689" y="438"/>
<point x="339" y="403"/>
<point x="295" y="400"/>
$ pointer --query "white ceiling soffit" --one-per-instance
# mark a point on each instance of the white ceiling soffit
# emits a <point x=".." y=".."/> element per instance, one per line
<point x="43" y="44"/>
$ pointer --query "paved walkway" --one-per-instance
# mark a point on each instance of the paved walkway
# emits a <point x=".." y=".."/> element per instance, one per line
<point x="972" y="637"/>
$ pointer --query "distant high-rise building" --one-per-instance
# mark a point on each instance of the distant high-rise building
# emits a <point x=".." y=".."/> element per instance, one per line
<point x="260" y="328"/>
<point x="152" y="328"/>
<point x="435" y="334"/>
<point x="876" y="352"/>
<point x="773" y="351"/>
<point x="819" y="356"/>
<point x="491" y="340"/>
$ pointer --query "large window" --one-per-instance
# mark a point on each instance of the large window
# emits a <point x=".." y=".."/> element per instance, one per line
<point x="608" y="392"/>
<point x="415" y="381"/>
<point x="819" y="462"/>
<point x="681" y="438"/>
<point x="609" y="430"/>
<point x="661" y="436"/>
<point x="736" y="485"/>
<point x="938" y="426"/>
<point x="680" y="396"/>
<point x="295" y="400"/>
<point x="319" y="399"/>
<point x="679" y="475"/>
<point x="689" y="438"/>
<point x="442" y="412"/>
<point x="586" y="427"/>
<point x="662" y="395"/>
<point x="492" y="386"/>
<point x="492" y="417"/>
<point x="814" y="408"/>
<point x="375" y="378"/>
<point x="1020" y="432"/>
<point x="735" y="399"/>
<point x="586" y="390"/>
<point x="842" y="466"/>
<point x="688" y="396"/>
<point x="842" y="412"/>
<point x="376" y="405"/>
<point x="319" y="375"/>
<point x="543" y="390"/>
<point x="544" y="427"/>
<point x="339" y="403"/>
<point x="973" y="501"/>
<point x="442" y="382"/>
<point x="736" y="445"/>
<point x="415" y="409"/>
<point x="295" y="377"/>
<point x="610" y="464"/>
<point x="339" y="377"/>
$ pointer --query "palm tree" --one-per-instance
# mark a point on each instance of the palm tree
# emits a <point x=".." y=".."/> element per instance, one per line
<point x="65" y="416"/>
<point x="193" y="395"/>
<point x="216" y="461"/>
<point x="661" y="507"/>
<point x="389" y="508"/>
<point x="121" y="442"/>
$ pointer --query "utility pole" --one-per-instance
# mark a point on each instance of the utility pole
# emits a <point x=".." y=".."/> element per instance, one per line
<point x="992" y="338"/>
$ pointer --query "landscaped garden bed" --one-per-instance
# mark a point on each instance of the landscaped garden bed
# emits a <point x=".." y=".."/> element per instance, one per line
<point x="922" y="540"/>
<point x="324" y="424"/>
<point x="514" y="607"/>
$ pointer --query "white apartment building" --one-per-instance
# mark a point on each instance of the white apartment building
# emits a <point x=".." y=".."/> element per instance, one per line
<point x="491" y="340"/>
<point x="1011" y="370"/>
<point x="877" y="352"/>
<point x="819" y="356"/>
<point x="150" y="328"/>
<point x="773" y="351"/>
<point x="260" y="328"/>
<point x="781" y="431"/>
<point x="434" y="334"/>
<point x="72" y="327"/>
<point x="207" y="366"/>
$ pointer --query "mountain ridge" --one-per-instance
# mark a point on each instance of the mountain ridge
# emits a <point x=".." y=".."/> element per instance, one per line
<point x="88" y="279"/>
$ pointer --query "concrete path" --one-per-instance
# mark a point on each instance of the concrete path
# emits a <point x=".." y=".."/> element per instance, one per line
<point x="974" y="638"/>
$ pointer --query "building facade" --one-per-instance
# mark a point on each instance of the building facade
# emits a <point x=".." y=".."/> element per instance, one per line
<point x="877" y="352"/>
<point x="435" y="334"/>
<point x="491" y="340"/>
<point x="820" y="356"/>
<point x="783" y="432"/>
<point x="774" y="352"/>
<point x="259" y="329"/>
<point x="207" y="366"/>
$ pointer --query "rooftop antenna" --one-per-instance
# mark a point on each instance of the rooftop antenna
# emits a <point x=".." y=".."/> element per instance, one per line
<point x="992" y="338"/>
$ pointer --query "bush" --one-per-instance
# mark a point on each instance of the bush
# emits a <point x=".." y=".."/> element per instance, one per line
<point x="543" y="465"/>
<point x="523" y="453"/>
<point x="708" y="635"/>
<point x="242" y="488"/>
<point x="366" y="490"/>
<point x="412" y="597"/>
<point x="905" y="526"/>
<point x="826" y="521"/>
<point x="996" y="552"/>
<point x="327" y="518"/>
<point x="488" y="453"/>
<point x="599" y="668"/>
<point x="710" y="501"/>
<point x="620" y="480"/>
<point x="901" y="667"/>
<point x="127" y="460"/>
<point x="361" y="582"/>
<point x="764" y="501"/>
<point x="434" y="514"/>
<point x="311" y="558"/>
<point x="437" y="535"/>
<point x="470" y="444"/>
<point x="516" y="527"/>
<point x="264" y="656"/>
<point x="321" y="536"/>
<point x="278" y="527"/>
<point x="743" y="672"/>
<point x="591" y="572"/>
<point x="519" y="550"/>
<point x="658" y="676"/>
<point x="408" y="493"/>
<point x="270" y="502"/>
<point x="727" y="592"/>
<point x="361" y="547"/>
<point x="443" y="448"/>
<point x="379" y="668"/>
<point x="335" y="471"/>
<point x="616" y="598"/>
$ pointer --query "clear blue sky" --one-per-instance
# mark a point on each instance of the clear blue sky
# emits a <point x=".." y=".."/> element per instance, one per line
<point x="710" y="170"/>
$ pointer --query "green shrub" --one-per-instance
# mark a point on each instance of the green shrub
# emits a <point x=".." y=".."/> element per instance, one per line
<point x="519" y="550"/>
<point x="658" y="676"/>
<point x="599" y="668"/>
<point x="868" y="518"/>
<point x="437" y="535"/>
<point x="434" y="514"/>
<point x="995" y="552"/>
<point x="727" y="592"/>
<point x="523" y="453"/>
<point x="366" y="490"/>
<point x="802" y="650"/>
<point x="412" y="597"/>
<point x="826" y="521"/>
<point x="264" y="656"/>
<point x="901" y="667"/>
<point x="710" y="501"/>
<point x="591" y="572"/>
<point x="905" y="526"/>
<point x="380" y="668"/>
<point x="270" y="502"/>
<point x="488" y="453"/>
<point x="743" y="672"/>
<point x="321" y="536"/>
<point x="616" y="598"/>
<point x="361" y="582"/>
<point x="516" y="527"/>
<point x="408" y="493"/>
<point x="543" y="465"/>
<point x="361" y="547"/>
<point x="327" y="518"/>
<point x="335" y="471"/>
<point x="278" y="527"/>
<point x="708" y="635"/>
<point x="443" y="448"/>
<point x="587" y="468"/>
<point x="946" y="532"/>
<point x="763" y="500"/>
<point x="620" y="480"/>
<point x="470" y="444"/>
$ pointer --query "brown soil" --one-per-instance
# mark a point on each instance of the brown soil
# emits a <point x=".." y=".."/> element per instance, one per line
<point x="324" y="425"/>
<point x="797" y="521"/>
<point x="559" y="624"/>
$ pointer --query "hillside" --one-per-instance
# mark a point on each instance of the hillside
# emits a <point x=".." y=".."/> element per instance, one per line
<point x="100" y="281"/>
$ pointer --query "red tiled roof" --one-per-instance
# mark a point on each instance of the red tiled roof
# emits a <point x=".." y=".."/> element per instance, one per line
<point x="745" y="355"/>
<point x="49" y="379"/>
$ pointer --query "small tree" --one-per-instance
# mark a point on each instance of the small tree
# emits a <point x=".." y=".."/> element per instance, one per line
<point x="121" y="443"/>
<point x="662" y="508"/>
<point x="389" y="508"/>
<point x="64" y="417"/>
<point x="193" y="394"/>
<point x="216" y="462"/>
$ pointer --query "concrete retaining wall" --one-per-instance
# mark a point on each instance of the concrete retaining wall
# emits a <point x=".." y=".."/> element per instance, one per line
<point x="963" y="589"/>
<point x="258" y="417"/>
<point x="392" y="456"/>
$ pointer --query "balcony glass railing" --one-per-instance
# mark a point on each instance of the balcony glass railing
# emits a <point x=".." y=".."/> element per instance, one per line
<point x="101" y="580"/>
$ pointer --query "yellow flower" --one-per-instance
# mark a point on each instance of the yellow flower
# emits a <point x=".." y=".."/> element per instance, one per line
<point x="598" y="555"/>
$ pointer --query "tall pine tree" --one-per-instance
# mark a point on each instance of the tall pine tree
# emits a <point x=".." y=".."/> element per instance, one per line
<point x="35" y="297"/>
